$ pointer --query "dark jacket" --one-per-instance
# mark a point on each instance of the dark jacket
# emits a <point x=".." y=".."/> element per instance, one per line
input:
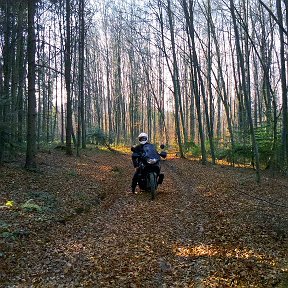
<point x="139" y="149"/>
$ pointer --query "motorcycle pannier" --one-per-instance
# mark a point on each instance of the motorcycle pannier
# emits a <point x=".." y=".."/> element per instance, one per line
<point x="160" y="178"/>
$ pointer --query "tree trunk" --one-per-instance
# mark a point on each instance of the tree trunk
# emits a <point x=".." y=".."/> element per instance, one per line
<point x="244" y="88"/>
<point x="21" y="80"/>
<point x="31" y="120"/>
<point x="69" y="128"/>
<point x="82" y="72"/>
<point x="174" y="74"/>
<point x="284" y="88"/>
<point x="195" y="74"/>
<point x="222" y="91"/>
<point x="6" y="72"/>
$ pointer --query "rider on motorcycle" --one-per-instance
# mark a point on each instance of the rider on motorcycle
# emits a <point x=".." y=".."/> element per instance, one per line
<point x="143" y="140"/>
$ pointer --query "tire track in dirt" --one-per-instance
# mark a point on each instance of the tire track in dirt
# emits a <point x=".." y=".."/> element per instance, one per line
<point x="129" y="241"/>
<point x="152" y="231"/>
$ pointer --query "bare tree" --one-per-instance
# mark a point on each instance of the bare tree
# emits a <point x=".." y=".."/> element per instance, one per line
<point x="244" y="89"/>
<point x="67" y="60"/>
<point x="31" y="120"/>
<point x="188" y="12"/>
<point x="283" y="82"/>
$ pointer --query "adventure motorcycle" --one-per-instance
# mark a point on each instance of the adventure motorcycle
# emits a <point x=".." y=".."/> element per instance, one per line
<point x="149" y="168"/>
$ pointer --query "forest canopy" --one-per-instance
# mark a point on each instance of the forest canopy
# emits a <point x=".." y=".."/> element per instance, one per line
<point x="207" y="77"/>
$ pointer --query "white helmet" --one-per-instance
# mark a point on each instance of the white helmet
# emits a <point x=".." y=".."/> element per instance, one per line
<point x="143" y="138"/>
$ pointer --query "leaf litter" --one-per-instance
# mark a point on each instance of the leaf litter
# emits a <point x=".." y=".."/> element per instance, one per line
<point x="210" y="226"/>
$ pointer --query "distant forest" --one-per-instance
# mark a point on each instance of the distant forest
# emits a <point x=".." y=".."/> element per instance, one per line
<point x="207" y="77"/>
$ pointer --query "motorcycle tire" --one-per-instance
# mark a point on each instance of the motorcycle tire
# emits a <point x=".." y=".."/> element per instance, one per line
<point x="153" y="184"/>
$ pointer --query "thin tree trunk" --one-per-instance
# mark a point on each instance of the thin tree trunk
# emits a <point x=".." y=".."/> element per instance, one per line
<point x="284" y="88"/>
<point x="4" y="103"/>
<point x="195" y="74"/>
<point x="69" y="128"/>
<point x="244" y="88"/>
<point x="31" y="120"/>
<point x="223" y="94"/>
<point x="174" y="74"/>
<point x="82" y="72"/>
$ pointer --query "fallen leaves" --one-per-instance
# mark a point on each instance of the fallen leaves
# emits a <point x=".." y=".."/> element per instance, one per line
<point x="82" y="228"/>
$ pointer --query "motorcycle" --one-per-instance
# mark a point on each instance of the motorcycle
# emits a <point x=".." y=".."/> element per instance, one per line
<point x="149" y="168"/>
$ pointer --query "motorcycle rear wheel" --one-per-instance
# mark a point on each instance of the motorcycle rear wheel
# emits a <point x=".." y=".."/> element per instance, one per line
<point x="153" y="184"/>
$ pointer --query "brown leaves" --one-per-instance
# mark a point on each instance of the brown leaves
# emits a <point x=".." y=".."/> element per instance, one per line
<point x="203" y="229"/>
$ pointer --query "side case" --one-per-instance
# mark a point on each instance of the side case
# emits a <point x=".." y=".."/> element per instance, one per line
<point x="160" y="178"/>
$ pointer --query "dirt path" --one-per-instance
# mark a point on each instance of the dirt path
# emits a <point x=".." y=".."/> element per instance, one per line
<point x="195" y="234"/>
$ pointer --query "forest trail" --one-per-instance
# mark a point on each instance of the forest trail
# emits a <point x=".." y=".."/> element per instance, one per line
<point x="209" y="226"/>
